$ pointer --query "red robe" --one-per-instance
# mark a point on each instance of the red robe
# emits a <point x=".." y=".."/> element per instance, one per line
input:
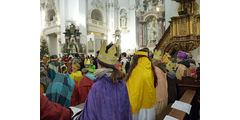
<point x="75" y="98"/>
<point x="53" y="111"/>
<point x="85" y="86"/>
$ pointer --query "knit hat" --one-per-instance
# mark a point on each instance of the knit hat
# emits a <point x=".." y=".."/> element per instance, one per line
<point x="182" y="55"/>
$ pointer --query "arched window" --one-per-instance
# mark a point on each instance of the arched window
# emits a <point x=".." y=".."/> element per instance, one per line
<point x="96" y="15"/>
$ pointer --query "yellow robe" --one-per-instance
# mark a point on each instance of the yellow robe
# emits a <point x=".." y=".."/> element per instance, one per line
<point x="77" y="76"/>
<point x="140" y="84"/>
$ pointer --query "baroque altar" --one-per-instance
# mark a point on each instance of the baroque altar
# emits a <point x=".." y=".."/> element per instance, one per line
<point x="72" y="37"/>
<point x="150" y="14"/>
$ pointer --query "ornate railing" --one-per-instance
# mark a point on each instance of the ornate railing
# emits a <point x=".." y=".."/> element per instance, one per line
<point x="96" y="22"/>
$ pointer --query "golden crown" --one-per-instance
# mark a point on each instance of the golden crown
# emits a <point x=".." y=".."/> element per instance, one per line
<point x="157" y="55"/>
<point x="171" y="66"/>
<point x="109" y="57"/>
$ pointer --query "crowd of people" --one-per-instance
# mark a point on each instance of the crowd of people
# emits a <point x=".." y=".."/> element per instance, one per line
<point x="113" y="85"/>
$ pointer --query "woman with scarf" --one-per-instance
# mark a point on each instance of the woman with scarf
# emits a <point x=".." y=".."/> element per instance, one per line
<point x="76" y="73"/>
<point x="108" y="98"/>
<point x="141" y="84"/>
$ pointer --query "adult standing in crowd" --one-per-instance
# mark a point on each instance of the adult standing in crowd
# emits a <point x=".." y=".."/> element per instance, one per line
<point x="53" y="67"/>
<point x="141" y="84"/>
<point x="162" y="87"/>
<point x="108" y="98"/>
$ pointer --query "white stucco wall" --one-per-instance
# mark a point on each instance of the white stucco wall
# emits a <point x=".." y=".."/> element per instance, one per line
<point x="170" y="11"/>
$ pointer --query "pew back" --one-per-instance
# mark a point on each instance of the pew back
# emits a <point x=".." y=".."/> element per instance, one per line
<point x="187" y="98"/>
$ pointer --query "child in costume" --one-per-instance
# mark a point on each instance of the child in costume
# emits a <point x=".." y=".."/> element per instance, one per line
<point x="76" y="73"/>
<point x="162" y="87"/>
<point x="108" y="98"/>
<point x="53" y="67"/>
<point x="85" y="85"/>
<point x="141" y="84"/>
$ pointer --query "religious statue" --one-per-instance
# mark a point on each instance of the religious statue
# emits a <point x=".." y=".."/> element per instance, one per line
<point x="123" y="19"/>
<point x="152" y="34"/>
<point x="72" y="45"/>
<point x="90" y="45"/>
<point x="150" y="7"/>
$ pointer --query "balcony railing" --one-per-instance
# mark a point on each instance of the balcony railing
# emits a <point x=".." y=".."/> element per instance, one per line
<point x="96" y="22"/>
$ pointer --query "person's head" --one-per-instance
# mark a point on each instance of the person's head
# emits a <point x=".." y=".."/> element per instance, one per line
<point x="124" y="55"/>
<point x="54" y="58"/>
<point x="84" y="71"/>
<point x="182" y="56"/>
<point x="157" y="57"/>
<point x="44" y="58"/>
<point x="75" y="67"/>
<point x="97" y="53"/>
<point x="107" y="58"/>
<point x="144" y="53"/>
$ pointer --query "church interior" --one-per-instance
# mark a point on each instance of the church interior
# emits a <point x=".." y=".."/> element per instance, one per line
<point x="77" y="29"/>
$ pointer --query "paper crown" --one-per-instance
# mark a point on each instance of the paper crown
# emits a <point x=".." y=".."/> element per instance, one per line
<point x="87" y="62"/>
<point x="76" y="66"/>
<point x="108" y="57"/>
<point x="165" y="58"/>
<point x="171" y="66"/>
<point x="157" y="55"/>
<point x="92" y="68"/>
<point x="141" y="53"/>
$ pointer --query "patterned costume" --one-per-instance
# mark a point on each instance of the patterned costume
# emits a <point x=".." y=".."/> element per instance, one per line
<point x="61" y="89"/>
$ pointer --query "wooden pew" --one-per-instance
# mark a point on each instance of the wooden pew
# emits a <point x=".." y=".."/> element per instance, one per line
<point x="188" y="83"/>
<point x="187" y="97"/>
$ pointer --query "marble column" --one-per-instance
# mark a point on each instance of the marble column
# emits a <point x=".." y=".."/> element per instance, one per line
<point x="82" y="20"/>
<point x="59" y="44"/>
<point x="141" y="35"/>
<point x="160" y="29"/>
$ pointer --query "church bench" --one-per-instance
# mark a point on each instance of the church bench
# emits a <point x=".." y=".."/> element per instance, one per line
<point x="187" y="97"/>
<point x="188" y="83"/>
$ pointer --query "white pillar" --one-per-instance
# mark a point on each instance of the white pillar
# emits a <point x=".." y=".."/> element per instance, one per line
<point x="59" y="46"/>
<point x="132" y="25"/>
<point x="62" y="20"/>
<point x="82" y="20"/>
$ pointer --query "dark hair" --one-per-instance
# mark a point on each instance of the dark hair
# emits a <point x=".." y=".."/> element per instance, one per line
<point x="97" y="52"/>
<point x="116" y="75"/>
<point x="124" y="54"/>
<point x="135" y="62"/>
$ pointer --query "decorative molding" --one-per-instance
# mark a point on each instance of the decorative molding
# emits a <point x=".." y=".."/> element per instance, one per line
<point x="97" y="4"/>
<point x="52" y="29"/>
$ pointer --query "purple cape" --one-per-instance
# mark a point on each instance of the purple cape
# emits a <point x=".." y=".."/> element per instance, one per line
<point x="107" y="101"/>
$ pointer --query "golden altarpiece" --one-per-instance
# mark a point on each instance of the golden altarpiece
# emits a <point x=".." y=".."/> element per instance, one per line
<point x="184" y="30"/>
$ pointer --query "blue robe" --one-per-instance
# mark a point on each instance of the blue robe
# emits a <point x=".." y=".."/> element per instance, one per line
<point x="107" y="101"/>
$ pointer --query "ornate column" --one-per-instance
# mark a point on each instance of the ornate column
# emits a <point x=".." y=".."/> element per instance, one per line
<point x="141" y="35"/>
<point x="59" y="44"/>
<point x="160" y="28"/>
